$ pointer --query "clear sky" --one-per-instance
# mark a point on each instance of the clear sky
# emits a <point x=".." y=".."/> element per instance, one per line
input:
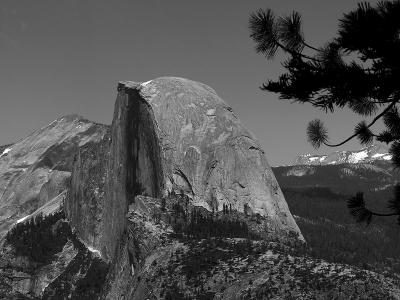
<point x="62" y="57"/>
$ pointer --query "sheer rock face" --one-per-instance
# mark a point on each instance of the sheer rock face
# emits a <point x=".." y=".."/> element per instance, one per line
<point x="209" y="155"/>
<point x="108" y="175"/>
<point x="134" y="165"/>
<point x="84" y="205"/>
<point x="172" y="135"/>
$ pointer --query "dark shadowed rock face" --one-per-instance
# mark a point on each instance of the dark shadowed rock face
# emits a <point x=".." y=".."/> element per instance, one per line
<point x="35" y="171"/>
<point x="84" y="205"/>
<point x="134" y="165"/>
<point x="107" y="175"/>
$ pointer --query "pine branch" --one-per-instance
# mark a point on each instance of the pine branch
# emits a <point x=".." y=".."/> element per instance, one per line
<point x="316" y="133"/>
<point x="394" y="203"/>
<point x="386" y="137"/>
<point x="361" y="213"/>
<point x="364" y="134"/>
<point x="390" y="106"/>
<point x="298" y="54"/>
<point x="363" y="107"/>
<point x="266" y="32"/>
<point x="385" y="215"/>
<point x="395" y="152"/>
<point x="290" y="32"/>
<point x="392" y="121"/>
<point x="357" y="208"/>
<point x="311" y="47"/>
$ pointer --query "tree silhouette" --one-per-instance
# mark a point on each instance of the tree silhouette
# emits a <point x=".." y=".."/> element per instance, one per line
<point x="39" y="238"/>
<point x="358" y="69"/>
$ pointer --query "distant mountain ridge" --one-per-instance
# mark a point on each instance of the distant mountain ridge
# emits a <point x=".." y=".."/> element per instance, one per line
<point x="34" y="171"/>
<point x="369" y="169"/>
<point x="368" y="154"/>
<point x="317" y="188"/>
<point x="174" y="200"/>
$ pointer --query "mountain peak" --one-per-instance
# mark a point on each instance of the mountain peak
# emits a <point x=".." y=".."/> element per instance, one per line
<point x="367" y="154"/>
<point x="71" y="118"/>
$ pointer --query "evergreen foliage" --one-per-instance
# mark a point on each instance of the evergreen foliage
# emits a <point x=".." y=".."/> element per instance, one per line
<point x="333" y="235"/>
<point x="42" y="237"/>
<point x="358" y="69"/>
<point x="84" y="277"/>
<point x="37" y="239"/>
<point x="89" y="287"/>
<point x="201" y="225"/>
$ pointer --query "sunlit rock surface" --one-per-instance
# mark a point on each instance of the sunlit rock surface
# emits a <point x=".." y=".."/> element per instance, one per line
<point x="173" y="135"/>
<point x="36" y="169"/>
<point x="208" y="154"/>
<point x="175" y="153"/>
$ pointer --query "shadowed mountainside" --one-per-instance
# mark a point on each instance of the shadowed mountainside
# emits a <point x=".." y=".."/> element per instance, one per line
<point x="317" y="196"/>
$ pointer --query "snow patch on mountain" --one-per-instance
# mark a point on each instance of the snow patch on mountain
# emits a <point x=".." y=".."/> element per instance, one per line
<point x="365" y="155"/>
<point x="301" y="171"/>
<point x="145" y="83"/>
<point x="94" y="251"/>
<point x="22" y="219"/>
<point x="358" y="156"/>
<point x="6" y="151"/>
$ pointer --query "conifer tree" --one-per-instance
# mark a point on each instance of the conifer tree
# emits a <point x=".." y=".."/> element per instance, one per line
<point x="357" y="69"/>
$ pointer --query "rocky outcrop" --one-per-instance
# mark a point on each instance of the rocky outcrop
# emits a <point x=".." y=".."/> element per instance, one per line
<point x="65" y="270"/>
<point x="175" y="200"/>
<point x="36" y="169"/>
<point x="208" y="154"/>
<point x="134" y="165"/>
<point x="84" y="205"/>
<point x="150" y="263"/>
<point x="173" y="135"/>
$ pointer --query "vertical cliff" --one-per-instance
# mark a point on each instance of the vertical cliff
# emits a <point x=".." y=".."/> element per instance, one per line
<point x="85" y="200"/>
<point x="173" y="135"/>
<point x="210" y="156"/>
<point x="175" y="200"/>
<point x="134" y="163"/>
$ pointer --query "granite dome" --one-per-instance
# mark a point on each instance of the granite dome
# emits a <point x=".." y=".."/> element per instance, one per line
<point x="208" y="154"/>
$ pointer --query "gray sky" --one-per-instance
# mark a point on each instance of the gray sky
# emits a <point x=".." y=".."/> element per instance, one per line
<point x="61" y="57"/>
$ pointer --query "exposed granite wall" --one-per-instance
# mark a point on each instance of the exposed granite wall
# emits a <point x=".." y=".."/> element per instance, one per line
<point x="134" y="165"/>
<point x="210" y="156"/>
<point x="85" y="200"/>
<point x="173" y="134"/>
